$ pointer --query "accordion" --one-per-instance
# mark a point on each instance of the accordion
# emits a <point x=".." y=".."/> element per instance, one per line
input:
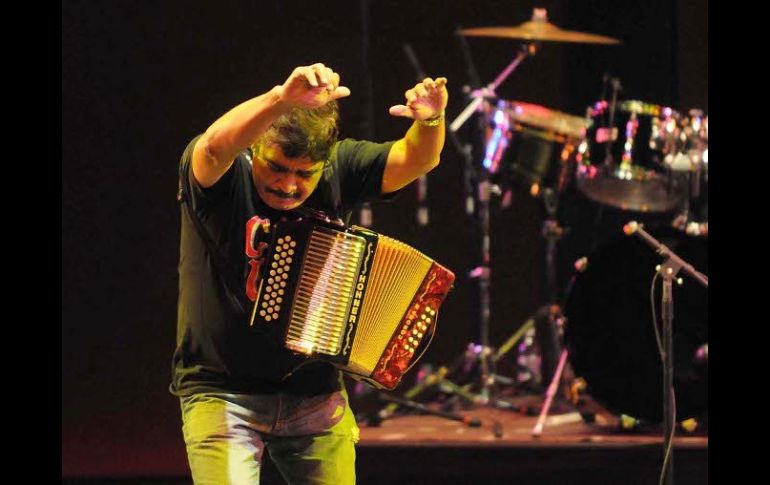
<point x="359" y="300"/>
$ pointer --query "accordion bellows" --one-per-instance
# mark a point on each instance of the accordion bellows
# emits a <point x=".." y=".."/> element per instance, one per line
<point x="357" y="299"/>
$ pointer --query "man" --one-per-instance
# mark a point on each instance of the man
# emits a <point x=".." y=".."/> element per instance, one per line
<point x="240" y="391"/>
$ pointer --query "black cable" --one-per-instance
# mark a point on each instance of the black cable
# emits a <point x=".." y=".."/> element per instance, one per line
<point x="668" y="441"/>
<point x="654" y="317"/>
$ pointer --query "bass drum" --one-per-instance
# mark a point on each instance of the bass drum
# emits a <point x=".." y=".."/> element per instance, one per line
<point x="611" y="339"/>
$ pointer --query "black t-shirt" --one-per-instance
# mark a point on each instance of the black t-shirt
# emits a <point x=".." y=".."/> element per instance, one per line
<point x="216" y="348"/>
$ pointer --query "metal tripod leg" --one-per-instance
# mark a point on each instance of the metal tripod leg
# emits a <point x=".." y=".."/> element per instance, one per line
<point x="544" y="321"/>
<point x="468" y="420"/>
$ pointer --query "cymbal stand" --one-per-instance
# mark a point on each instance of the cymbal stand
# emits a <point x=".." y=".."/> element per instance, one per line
<point x="485" y="190"/>
<point x="552" y="232"/>
<point x="467" y="420"/>
<point x="478" y="95"/>
<point x="465" y="150"/>
<point x="547" y="317"/>
<point x="690" y="165"/>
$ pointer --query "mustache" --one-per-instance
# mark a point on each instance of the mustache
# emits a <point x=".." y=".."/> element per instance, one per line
<point x="283" y="195"/>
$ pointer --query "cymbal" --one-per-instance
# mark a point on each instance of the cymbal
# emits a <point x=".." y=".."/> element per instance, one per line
<point x="646" y="191"/>
<point x="539" y="30"/>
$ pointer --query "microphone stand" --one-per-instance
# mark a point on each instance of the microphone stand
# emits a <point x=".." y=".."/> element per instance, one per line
<point x="668" y="270"/>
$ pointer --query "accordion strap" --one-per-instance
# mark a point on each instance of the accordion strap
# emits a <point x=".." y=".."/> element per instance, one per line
<point x="225" y="273"/>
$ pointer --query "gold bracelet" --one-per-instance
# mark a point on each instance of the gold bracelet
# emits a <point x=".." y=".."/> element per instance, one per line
<point x="435" y="121"/>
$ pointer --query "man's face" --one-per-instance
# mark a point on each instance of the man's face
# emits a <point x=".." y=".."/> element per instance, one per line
<point x="284" y="183"/>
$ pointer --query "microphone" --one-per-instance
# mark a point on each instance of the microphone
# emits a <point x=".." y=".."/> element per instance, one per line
<point x="630" y="228"/>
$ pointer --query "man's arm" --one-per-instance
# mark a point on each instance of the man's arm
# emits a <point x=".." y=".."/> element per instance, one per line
<point x="418" y="152"/>
<point x="306" y="87"/>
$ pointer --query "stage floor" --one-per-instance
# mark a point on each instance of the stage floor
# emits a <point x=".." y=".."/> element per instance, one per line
<point x="429" y="449"/>
<point x="586" y="447"/>
<point x="513" y="428"/>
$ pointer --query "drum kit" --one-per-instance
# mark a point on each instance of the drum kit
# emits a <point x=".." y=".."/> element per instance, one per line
<point x="627" y="155"/>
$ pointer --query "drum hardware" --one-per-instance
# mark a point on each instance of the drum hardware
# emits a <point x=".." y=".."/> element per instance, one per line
<point x="537" y="30"/>
<point x="463" y="362"/>
<point x="537" y="127"/>
<point x="690" y="164"/>
<point x="485" y="188"/>
<point x="545" y="323"/>
<point x="466" y="420"/>
<point x="532" y="123"/>
<point x="605" y="135"/>
<point x="520" y="150"/>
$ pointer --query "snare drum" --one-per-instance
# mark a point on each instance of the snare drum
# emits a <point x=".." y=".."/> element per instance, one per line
<point x="622" y="161"/>
<point x="531" y="146"/>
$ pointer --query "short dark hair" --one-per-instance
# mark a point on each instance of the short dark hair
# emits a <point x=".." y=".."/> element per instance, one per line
<point x="304" y="132"/>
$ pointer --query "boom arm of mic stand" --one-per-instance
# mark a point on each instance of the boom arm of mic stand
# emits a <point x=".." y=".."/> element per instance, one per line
<point x="673" y="261"/>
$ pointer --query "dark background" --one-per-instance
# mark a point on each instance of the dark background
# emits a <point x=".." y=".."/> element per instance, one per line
<point x="140" y="79"/>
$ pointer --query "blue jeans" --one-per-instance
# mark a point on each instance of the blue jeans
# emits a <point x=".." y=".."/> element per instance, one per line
<point x="311" y="440"/>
